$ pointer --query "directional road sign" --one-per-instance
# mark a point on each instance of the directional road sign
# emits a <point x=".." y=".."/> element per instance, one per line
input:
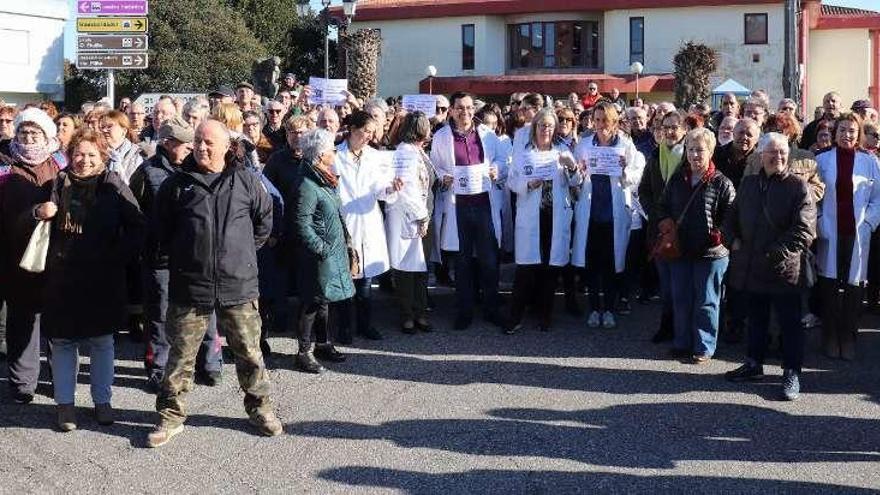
<point x="116" y="42"/>
<point x="111" y="24"/>
<point x="112" y="7"/>
<point x="112" y="60"/>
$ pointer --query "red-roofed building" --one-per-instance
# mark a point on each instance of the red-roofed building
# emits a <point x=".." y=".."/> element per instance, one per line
<point x="496" y="47"/>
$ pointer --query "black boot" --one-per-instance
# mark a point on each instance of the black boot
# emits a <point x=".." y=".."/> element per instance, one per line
<point x="305" y="360"/>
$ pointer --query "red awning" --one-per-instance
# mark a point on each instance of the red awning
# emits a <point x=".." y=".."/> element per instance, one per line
<point x="549" y="84"/>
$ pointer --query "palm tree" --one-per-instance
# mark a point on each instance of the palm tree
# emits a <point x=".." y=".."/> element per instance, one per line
<point x="694" y="64"/>
<point x="363" y="49"/>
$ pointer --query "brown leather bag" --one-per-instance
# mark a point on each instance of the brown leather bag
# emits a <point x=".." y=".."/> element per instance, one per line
<point x="667" y="246"/>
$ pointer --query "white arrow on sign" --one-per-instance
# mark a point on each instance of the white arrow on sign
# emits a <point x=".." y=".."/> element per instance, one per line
<point x="139" y="60"/>
<point x="84" y="7"/>
<point x="139" y="42"/>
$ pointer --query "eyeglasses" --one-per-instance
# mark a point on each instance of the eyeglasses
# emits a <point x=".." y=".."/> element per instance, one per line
<point x="30" y="133"/>
<point x="6" y="121"/>
<point x="591" y="88"/>
<point x="873" y="135"/>
<point x="547" y="125"/>
<point x="273" y="111"/>
<point x="442" y="109"/>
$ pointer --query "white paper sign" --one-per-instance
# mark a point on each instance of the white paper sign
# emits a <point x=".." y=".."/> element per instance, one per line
<point x="469" y="179"/>
<point x="604" y="161"/>
<point x="327" y="91"/>
<point x="421" y="103"/>
<point x="405" y="166"/>
<point x="540" y="164"/>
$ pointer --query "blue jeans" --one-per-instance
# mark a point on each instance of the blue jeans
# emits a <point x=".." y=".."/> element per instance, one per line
<point x="696" y="297"/>
<point x="476" y="238"/>
<point x="788" y="311"/>
<point x="65" y="368"/>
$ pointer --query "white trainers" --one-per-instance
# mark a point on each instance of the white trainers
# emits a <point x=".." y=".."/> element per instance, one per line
<point x="594" y="320"/>
<point x="810" y="321"/>
<point x="608" y="320"/>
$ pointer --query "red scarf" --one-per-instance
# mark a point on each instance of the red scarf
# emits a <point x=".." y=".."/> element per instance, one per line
<point x="328" y="176"/>
<point x="707" y="175"/>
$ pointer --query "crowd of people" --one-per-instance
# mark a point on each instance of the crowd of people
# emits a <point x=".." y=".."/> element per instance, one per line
<point x="238" y="215"/>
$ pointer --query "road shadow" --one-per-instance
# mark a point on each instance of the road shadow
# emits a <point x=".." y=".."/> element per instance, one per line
<point x="648" y="436"/>
<point x="542" y="481"/>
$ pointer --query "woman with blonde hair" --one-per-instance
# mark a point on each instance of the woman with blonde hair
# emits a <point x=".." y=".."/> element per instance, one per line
<point x="125" y="157"/>
<point x="612" y="169"/>
<point x="693" y="208"/>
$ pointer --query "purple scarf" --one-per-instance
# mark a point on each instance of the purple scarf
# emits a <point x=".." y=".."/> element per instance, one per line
<point x="32" y="154"/>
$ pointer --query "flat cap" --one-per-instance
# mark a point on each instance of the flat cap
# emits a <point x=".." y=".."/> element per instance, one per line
<point x="176" y="128"/>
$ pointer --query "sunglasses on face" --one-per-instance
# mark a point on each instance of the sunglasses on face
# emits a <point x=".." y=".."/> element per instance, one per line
<point x="273" y="111"/>
<point x="442" y="109"/>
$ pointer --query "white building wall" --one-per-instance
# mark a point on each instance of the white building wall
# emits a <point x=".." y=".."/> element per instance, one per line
<point x="846" y="71"/>
<point x="721" y="28"/>
<point x="410" y="46"/>
<point x="32" y="50"/>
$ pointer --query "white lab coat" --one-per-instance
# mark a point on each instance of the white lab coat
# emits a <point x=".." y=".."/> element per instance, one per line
<point x="502" y="191"/>
<point x="360" y="188"/>
<point x="405" y="253"/>
<point x="621" y="202"/>
<point x="443" y="158"/>
<point x="866" y="206"/>
<point x="528" y="207"/>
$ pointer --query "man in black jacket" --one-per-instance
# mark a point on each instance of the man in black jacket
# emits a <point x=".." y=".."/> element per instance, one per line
<point x="211" y="217"/>
<point x="175" y="139"/>
<point x="732" y="159"/>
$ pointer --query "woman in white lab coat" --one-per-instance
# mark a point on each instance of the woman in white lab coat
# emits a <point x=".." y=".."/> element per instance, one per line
<point x="490" y="117"/>
<point x="603" y="212"/>
<point x="543" y="218"/>
<point x="407" y="222"/>
<point x="364" y="178"/>
<point x="844" y="241"/>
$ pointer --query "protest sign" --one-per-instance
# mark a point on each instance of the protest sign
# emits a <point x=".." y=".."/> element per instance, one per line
<point x="422" y="103"/>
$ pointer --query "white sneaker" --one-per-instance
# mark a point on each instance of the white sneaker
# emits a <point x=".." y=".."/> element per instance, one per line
<point x="608" y="320"/>
<point x="810" y="321"/>
<point x="594" y="320"/>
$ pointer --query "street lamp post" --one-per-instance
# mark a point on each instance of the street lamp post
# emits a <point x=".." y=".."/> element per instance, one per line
<point x="431" y="71"/>
<point x="348" y="7"/>
<point x="637" y="68"/>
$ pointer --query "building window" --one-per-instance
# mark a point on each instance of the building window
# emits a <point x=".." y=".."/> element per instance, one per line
<point x="554" y="45"/>
<point x="467" y="47"/>
<point x="637" y="40"/>
<point x="756" y="29"/>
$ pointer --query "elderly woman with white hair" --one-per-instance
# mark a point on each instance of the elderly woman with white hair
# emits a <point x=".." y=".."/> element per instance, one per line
<point x="324" y="272"/>
<point x="692" y="210"/>
<point x="769" y="229"/>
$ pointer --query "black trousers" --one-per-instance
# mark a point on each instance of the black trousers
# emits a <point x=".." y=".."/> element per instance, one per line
<point x="601" y="273"/>
<point x="535" y="283"/>
<point x="313" y="324"/>
<point x="412" y="294"/>
<point x="841" y="302"/>
<point x="22" y="348"/>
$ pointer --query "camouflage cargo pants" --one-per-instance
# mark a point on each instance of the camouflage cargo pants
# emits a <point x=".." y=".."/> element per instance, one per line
<point x="185" y="327"/>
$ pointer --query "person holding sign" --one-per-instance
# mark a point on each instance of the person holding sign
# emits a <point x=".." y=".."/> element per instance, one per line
<point x="407" y="220"/>
<point x="469" y="159"/>
<point x="362" y="182"/>
<point x="541" y="177"/>
<point x="613" y="169"/>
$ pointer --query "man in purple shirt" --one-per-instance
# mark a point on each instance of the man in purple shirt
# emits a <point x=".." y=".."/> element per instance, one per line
<point x="476" y="234"/>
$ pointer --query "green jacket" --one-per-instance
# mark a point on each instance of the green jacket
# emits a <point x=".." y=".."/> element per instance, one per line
<point x="321" y="253"/>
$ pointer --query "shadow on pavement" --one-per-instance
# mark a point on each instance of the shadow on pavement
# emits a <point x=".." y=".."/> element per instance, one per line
<point x="651" y="436"/>
<point x="538" y="481"/>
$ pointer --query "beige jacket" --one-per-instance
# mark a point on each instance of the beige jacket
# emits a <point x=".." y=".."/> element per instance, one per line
<point x="801" y="163"/>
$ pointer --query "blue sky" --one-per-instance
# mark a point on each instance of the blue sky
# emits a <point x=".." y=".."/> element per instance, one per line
<point x="70" y="32"/>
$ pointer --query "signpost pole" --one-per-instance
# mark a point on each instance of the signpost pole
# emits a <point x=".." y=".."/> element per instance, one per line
<point x="111" y="87"/>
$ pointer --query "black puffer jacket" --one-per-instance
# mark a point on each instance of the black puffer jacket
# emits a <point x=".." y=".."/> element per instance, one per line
<point x="699" y="234"/>
<point x="211" y="230"/>
<point x="768" y="255"/>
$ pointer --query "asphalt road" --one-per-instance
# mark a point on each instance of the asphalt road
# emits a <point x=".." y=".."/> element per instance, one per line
<point x="574" y="410"/>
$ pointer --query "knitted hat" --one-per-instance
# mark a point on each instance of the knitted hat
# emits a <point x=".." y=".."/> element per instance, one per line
<point x="39" y="118"/>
